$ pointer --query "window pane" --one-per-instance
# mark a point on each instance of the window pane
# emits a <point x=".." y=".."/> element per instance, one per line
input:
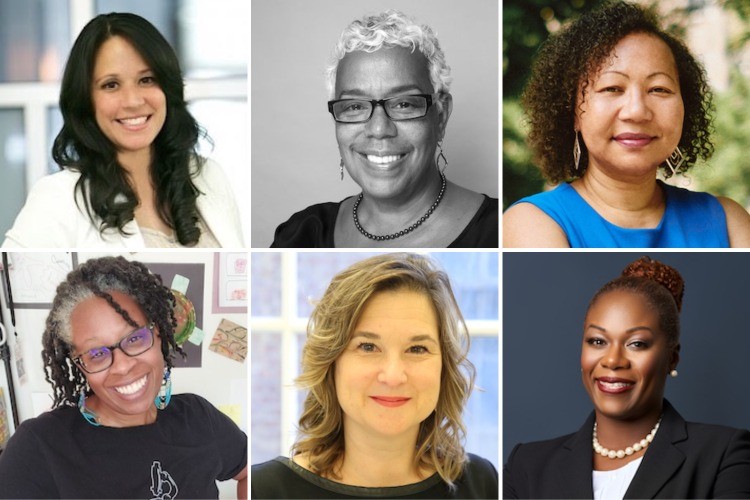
<point x="34" y="40"/>
<point x="199" y="31"/>
<point x="54" y="125"/>
<point x="12" y="167"/>
<point x="265" y="425"/>
<point x="474" y="278"/>
<point x="265" y="282"/>
<point x="480" y="415"/>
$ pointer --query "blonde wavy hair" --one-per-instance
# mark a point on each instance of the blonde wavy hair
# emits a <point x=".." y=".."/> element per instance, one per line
<point x="321" y="427"/>
<point x="391" y="29"/>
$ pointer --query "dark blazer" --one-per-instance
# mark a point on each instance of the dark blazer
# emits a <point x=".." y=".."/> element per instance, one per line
<point x="685" y="460"/>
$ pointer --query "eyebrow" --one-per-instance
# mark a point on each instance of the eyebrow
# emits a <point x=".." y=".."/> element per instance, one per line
<point x="392" y="91"/>
<point x="652" y="75"/>
<point x="375" y="336"/>
<point x="117" y="75"/>
<point x="629" y="330"/>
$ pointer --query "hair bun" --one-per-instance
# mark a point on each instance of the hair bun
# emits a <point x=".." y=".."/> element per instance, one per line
<point x="667" y="276"/>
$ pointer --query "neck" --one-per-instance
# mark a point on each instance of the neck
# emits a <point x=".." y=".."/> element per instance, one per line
<point x="636" y="193"/>
<point x="379" y="461"/>
<point x="618" y="434"/>
<point x="109" y="418"/>
<point x="388" y="215"/>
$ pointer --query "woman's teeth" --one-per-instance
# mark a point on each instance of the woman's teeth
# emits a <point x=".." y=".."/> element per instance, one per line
<point x="132" y="388"/>
<point x="134" y="121"/>
<point x="383" y="159"/>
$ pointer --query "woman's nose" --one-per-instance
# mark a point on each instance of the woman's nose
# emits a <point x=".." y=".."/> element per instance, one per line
<point x="614" y="358"/>
<point x="132" y="96"/>
<point x="380" y="125"/>
<point x="392" y="371"/>
<point x="121" y="362"/>
<point x="635" y="108"/>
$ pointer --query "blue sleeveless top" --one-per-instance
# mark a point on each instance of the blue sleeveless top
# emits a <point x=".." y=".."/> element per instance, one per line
<point x="691" y="220"/>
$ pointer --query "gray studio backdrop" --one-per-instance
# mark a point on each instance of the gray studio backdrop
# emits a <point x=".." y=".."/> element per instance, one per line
<point x="545" y="296"/>
<point x="295" y="159"/>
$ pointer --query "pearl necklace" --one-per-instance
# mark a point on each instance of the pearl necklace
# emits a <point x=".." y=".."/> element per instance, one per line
<point x="408" y="229"/>
<point x="640" y="445"/>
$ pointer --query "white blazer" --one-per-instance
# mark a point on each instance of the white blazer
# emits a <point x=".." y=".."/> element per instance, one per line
<point x="52" y="219"/>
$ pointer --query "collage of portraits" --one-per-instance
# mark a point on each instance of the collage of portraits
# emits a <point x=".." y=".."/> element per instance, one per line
<point x="318" y="249"/>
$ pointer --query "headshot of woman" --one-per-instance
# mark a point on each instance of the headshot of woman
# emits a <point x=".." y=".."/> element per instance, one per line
<point x="634" y="443"/>
<point x="614" y="101"/>
<point x="386" y="367"/>
<point x="116" y="430"/>
<point x="131" y="176"/>
<point x="389" y="104"/>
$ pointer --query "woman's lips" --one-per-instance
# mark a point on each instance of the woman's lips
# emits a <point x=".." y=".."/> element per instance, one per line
<point x="612" y="385"/>
<point x="390" y="401"/>
<point x="381" y="160"/>
<point x="633" y="140"/>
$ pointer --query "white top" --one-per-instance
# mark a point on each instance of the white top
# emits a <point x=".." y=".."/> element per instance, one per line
<point x="52" y="219"/>
<point x="611" y="484"/>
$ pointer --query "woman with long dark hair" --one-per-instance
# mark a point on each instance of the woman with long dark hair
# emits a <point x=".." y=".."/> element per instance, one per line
<point x="131" y="176"/>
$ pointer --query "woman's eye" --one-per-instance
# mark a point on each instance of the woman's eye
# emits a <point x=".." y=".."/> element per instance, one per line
<point x="367" y="347"/>
<point x="611" y="89"/>
<point x="418" y="349"/>
<point x="661" y="90"/>
<point x="595" y="342"/>
<point x="109" y="85"/>
<point x="638" y="344"/>
<point x="148" y="80"/>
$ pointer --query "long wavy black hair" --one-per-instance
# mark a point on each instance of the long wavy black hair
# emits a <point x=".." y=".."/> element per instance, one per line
<point x="99" y="278"/>
<point x="109" y="198"/>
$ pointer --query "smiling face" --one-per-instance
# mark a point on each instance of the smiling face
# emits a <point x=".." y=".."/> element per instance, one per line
<point x="124" y="393"/>
<point x="625" y="357"/>
<point x="389" y="158"/>
<point x="129" y="106"/>
<point x="632" y="113"/>
<point x="388" y="377"/>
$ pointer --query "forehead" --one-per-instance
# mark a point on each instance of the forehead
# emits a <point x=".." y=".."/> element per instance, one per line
<point x="115" y="53"/>
<point x="383" y="71"/>
<point x="399" y="311"/>
<point x="94" y="317"/>
<point x="640" y="54"/>
<point x="624" y="308"/>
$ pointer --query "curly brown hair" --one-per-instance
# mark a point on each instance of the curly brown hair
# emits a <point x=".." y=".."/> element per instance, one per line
<point x="99" y="277"/>
<point x="661" y="285"/>
<point x="562" y="68"/>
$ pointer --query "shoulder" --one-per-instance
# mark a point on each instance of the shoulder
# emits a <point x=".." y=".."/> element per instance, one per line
<point x="537" y="450"/>
<point x="527" y="225"/>
<point x="479" y="479"/>
<point x="710" y="436"/>
<point x="738" y="222"/>
<point x="277" y="479"/>
<point x="311" y="227"/>
<point x="206" y="172"/>
<point x="483" y="228"/>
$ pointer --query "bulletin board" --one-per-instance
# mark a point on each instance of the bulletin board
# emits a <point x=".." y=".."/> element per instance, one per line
<point x="34" y="277"/>
<point x="196" y="274"/>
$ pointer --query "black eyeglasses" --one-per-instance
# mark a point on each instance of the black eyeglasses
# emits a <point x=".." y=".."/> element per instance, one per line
<point x="134" y="343"/>
<point x="402" y="107"/>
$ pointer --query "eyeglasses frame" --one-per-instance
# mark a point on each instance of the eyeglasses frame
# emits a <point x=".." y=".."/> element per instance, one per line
<point x="381" y="102"/>
<point x="77" y="360"/>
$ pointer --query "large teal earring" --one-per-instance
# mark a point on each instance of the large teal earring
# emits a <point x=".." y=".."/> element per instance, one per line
<point x="165" y="392"/>
<point x="89" y="415"/>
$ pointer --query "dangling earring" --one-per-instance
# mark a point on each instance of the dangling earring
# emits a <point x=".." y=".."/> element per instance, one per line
<point x="89" y="415"/>
<point x="576" y="152"/>
<point x="673" y="373"/>
<point x="675" y="160"/>
<point x="441" y="155"/>
<point x="165" y="392"/>
<point x="341" y="166"/>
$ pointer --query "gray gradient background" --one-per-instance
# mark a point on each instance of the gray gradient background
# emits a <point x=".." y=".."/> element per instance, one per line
<point x="545" y="296"/>
<point x="295" y="158"/>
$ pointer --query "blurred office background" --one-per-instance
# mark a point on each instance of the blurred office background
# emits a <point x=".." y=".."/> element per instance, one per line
<point x="211" y="38"/>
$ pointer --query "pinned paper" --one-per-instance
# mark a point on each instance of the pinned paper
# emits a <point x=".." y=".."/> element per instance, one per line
<point x="180" y="283"/>
<point x="230" y="340"/>
<point x="231" y="411"/>
<point x="4" y="427"/>
<point x="196" y="337"/>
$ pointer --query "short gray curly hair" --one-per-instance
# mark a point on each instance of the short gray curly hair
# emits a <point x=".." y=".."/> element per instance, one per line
<point x="391" y="28"/>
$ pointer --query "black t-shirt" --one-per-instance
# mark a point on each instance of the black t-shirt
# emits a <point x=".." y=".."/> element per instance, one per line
<point x="282" y="478"/>
<point x="182" y="455"/>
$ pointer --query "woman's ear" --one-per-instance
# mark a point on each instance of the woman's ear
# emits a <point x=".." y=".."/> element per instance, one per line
<point x="674" y="357"/>
<point x="444" y="112"/>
